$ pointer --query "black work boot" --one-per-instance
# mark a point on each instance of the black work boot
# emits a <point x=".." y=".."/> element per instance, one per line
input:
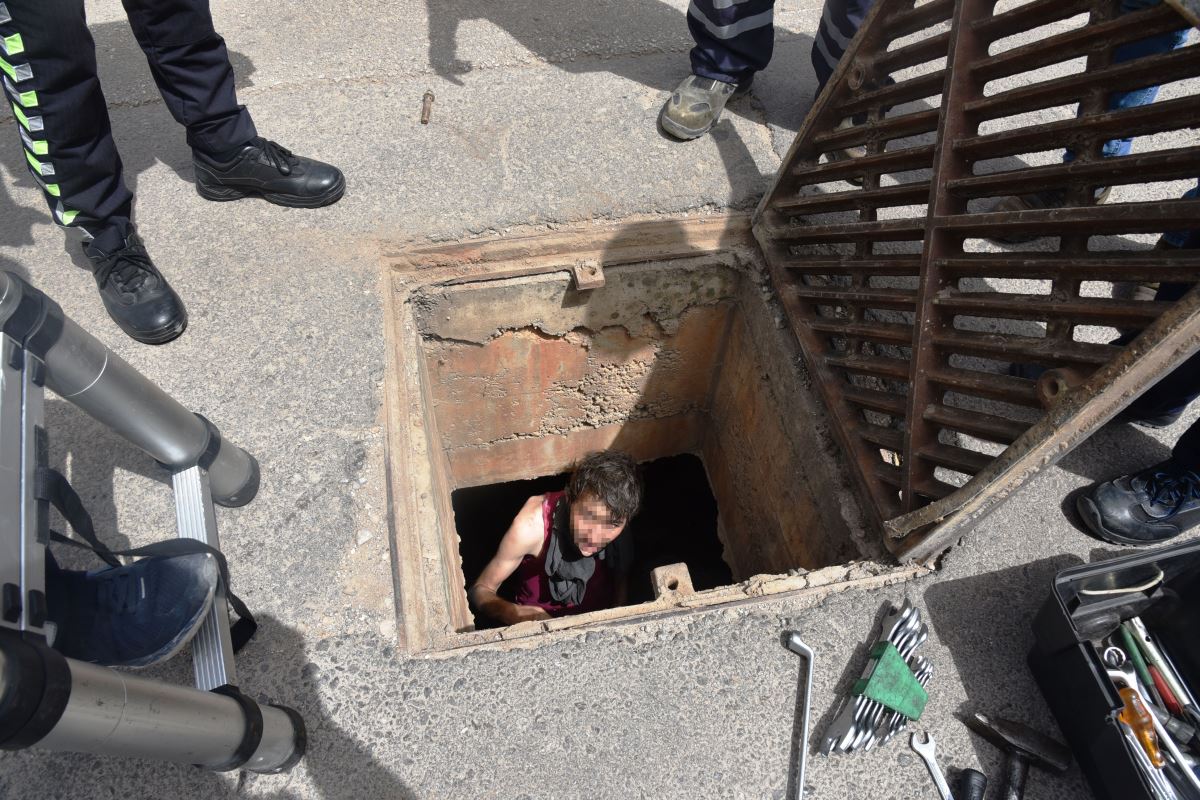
<point x="265" y="169"/>
<point x="1147" y="507"/>
<point x="135" y="293"/>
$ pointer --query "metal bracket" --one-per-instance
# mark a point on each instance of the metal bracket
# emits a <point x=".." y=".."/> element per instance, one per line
<point x="588" y="274"/>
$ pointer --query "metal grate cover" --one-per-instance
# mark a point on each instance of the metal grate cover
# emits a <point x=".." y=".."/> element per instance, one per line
<point x="908" y="311"/>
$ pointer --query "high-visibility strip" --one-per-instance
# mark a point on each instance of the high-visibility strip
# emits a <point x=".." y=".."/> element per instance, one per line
<point x="36" y="146"/>
<point x="4" y="15"/>
<point x="12" y="45"/>
<point x="48" y="188"/>
<point x="18" y="72"/>
<point x="752" y="22"/>
<point x="28" y="99"/>
<point x="64" y="216"/>
<point x="41" y="167"/>
<point x="834" y="29"/>
<point x="31" y="124"/>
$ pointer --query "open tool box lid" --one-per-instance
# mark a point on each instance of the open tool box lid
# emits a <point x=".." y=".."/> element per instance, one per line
<point x="1069" y="670"/>
<point x="909" y="316"/>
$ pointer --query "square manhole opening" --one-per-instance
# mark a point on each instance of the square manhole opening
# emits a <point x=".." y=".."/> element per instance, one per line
<point x="504" y="372"/>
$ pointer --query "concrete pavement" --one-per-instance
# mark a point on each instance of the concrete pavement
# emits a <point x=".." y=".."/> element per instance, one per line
<point x="545" y="114"/>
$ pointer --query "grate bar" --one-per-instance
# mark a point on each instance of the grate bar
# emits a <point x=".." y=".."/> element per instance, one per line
<point x="1148" y="71"/>
<point x="1079" y="310"/>
<point x="891" y="230"/>
<point x="1162" y="165"/>
<point x="1023" y="348"/>
<point x="989" y="28"/>
<point x="892" y="368"/>
<point x="1075" y="43"/>
<point x="1020" y="391"/>
<point x="904" y="160"/>
<point x="911" y="55"/>
<point x="1145" y="265"/>
<point x="975" y="423"/>
<point x="889" y="333"/>
<point x="909" y="21"/>
<point x="958" y="459"/>
<point x="904" y="195"/>
<point x="1117" y="218"/>
<point x="931" y="488"/>
<point x="884" y="402"/>
<point x="906" y="91"/>
<point x="866" y="266"/>
<point x="885" y="130"/>
<point x="889" y="438"/>
<point x="900" y="299"/>
<point x="1168" y="115"/>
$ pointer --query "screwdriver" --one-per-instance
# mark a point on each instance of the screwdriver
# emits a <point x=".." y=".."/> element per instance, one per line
<point x="1135" y="715"/>
<point x="1164" y="691"/>
<point x="1154" y="656"/>
<point x="1139" y="664"/>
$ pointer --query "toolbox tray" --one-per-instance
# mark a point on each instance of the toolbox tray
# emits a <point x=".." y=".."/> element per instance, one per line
<point x="1070" y="674"/>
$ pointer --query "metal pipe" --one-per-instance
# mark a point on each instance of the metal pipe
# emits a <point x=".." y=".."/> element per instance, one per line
<point x="118" y="714"/>
<point x="81" y="370"/>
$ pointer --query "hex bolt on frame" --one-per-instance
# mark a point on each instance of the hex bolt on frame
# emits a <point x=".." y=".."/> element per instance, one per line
<point x="56" y="703"/>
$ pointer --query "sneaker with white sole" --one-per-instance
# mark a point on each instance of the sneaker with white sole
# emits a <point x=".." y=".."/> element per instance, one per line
<point x="696" y="105"/>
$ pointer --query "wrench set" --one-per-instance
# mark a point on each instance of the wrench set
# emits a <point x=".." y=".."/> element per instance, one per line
<point x="864" y="723"/>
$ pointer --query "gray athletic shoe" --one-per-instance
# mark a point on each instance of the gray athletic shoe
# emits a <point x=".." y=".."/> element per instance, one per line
<point x="131" y="616"/>
<point x="696" y="105"/>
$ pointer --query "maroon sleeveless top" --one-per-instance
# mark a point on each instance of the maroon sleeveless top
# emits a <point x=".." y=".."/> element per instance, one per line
<point x="533" y="585"/>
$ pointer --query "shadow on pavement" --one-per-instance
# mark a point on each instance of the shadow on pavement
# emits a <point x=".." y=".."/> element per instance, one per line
<point x="985" y="622"/>
<point x="120" y="64"/>
<point x="573" y="37"/>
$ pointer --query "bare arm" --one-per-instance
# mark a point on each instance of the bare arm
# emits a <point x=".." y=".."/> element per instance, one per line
<point x="524" y="538"/>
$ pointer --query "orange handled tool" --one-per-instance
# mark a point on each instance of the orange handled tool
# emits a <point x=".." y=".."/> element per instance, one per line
<point x="1137" y="717"/>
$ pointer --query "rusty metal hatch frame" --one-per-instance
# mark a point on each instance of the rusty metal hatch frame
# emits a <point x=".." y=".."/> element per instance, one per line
<point x="908" y="351"/>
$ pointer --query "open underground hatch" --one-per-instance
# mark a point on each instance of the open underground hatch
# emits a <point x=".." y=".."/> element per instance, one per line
<point x="502" y="380"/>
<point x="902" y="426"/>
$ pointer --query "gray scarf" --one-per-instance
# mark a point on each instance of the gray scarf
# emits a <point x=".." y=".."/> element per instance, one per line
<point x="569" y="570"/>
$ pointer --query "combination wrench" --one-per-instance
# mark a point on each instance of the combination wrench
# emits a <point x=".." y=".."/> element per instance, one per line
<point x="925" y="749"/>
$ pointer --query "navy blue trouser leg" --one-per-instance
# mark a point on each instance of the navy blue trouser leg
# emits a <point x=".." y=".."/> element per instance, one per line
<point x="48" y="61"/>
<point x="734" y="38"/>
<point x="49" y="65"/>
<point x="840" y="20"/>
<point x="1187" y="449"/>
<point x="191" y="67"/>
<point x="1178" y="389"/>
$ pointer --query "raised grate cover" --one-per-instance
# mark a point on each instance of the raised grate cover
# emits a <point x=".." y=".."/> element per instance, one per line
<point x="880" y="234"/>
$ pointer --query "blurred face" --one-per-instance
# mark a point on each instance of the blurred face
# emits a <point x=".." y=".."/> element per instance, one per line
<point x="592" y="524"/>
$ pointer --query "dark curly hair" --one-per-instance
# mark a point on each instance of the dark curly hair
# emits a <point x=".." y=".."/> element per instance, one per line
<point x="613" y="477"/>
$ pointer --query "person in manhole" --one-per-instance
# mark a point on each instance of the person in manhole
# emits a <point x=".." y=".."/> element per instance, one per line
<point x="48" y="68"/>
<point x="566" y="547"/>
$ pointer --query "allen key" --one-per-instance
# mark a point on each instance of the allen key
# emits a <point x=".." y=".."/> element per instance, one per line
<point x="793" y="642"/>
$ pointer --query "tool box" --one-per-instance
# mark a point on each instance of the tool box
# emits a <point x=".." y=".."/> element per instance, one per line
<point x="1085" y="605"/>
